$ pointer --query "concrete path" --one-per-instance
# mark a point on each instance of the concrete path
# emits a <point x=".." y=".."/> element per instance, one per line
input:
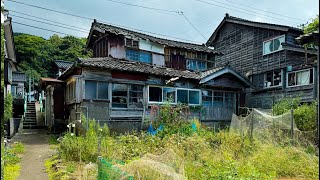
<point x="37" y="151"/>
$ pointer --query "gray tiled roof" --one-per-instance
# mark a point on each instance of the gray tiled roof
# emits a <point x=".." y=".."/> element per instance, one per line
<point x="236" y="20"/>
<point x="133" y="34"/>
<point x="134" y="66"/>
<point x="263" y="24"/>
<point x="63" y="64"/>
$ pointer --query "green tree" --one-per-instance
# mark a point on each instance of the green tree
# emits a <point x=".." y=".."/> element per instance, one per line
<point x="313" y="26"/>
<point x="32" y="54"/>
<point x="35" y="54"/>
<point x="2" y="57"/>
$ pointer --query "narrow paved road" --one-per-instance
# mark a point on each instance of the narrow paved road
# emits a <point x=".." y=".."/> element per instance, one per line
<point x="37" y="152"/>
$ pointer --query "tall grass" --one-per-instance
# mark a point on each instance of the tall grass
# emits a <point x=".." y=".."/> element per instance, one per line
<point x="206" y="155"/>
<point x="11" y="160"/>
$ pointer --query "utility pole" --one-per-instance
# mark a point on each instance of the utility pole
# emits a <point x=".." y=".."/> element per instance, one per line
<point x="29" y="100"/>
<point x="318" y="70"/>
<point x="34" y="94"/>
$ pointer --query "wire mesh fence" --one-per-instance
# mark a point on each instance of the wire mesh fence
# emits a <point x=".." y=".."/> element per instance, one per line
<point x="261" y="124"/>
<point x="106" y="171"/>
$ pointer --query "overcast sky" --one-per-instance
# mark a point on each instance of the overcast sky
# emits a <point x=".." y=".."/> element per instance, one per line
<point x="204" y="16"/>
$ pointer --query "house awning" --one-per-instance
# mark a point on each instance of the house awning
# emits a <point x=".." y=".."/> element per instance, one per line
<point x="225" y="70"/>
<point x="44" y="82"/>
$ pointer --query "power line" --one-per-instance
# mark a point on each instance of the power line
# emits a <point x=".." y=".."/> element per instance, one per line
<point x="47" y="20"/>
<point x="50" y="24"/>
<point x="248" y="10"/>
<point x="157" y="9"/>
<point x="254" y="13"/>
<point x="265" y="11"/>
<point x="74" y="15"/>
<point x="44" y="29"/>
<point x="50" y="10"/>
<point x="193" y="26"/>
<point x="145" y="7"/>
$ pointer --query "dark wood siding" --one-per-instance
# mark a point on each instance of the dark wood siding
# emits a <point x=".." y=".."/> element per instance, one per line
<point x="242" y="47"/>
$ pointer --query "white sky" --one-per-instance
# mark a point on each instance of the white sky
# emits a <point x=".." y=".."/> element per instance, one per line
<point x="205" y="17"/>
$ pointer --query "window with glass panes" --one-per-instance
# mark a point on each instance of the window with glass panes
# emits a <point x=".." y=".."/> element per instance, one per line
<point x="127" y="96"/>
<point x="299" y="78"/>
<point x="272" y="78"/>
<point x="96" y="90"/>
<point x="211" y="98"/>
<point x="174" y="95"/>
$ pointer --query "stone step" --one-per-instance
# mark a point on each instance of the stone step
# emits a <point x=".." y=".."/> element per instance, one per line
<point x="30" y="119"/>
<point x="29" y="124"/>
<point x="30" y="114"/>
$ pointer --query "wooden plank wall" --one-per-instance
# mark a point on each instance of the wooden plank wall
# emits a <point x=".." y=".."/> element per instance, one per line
<point x="243" y="49"/>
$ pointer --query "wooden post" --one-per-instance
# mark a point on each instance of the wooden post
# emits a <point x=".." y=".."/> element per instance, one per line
<point x="291" y="119"/>
<point x="99" y="139"/>
<point x="251" y="126"/>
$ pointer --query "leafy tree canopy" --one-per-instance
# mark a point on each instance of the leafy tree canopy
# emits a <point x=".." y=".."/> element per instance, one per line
<point x="313" y="26"/>
<point x="35" y="54"/>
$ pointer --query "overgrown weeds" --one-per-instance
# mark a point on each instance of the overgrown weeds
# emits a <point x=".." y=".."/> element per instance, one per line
<point x="11" y="160"/>
<point x="205" y="154"/>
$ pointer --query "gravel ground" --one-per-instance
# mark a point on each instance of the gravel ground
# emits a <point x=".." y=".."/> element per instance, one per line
<point x="37" y="151"/>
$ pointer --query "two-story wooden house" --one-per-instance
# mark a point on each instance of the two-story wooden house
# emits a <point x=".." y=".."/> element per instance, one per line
<point x="132" y="71"/>
<point x="269" y="56"/>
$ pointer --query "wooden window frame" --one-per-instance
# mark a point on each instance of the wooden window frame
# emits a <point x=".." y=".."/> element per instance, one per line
<point x="97" y="87"/>
<point x="128" y="95"/>
<point x="272" y="86"/>
<point x="295" y="72"/>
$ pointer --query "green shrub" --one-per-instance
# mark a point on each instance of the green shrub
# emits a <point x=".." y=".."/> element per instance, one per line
<point x="53" y="139"/>
<point x="285" y="104"/>
<point x="304" y="115"/>
<point x="84" y="148"/>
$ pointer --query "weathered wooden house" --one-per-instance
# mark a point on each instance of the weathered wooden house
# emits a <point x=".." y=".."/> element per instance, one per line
<point x="131" y="71"/>
<point x="269" y="56"/>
